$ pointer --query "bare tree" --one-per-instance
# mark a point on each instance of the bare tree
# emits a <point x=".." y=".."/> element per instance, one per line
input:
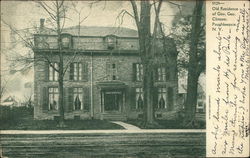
<point x="193" y="69"/>
<point x="57" y="16"/>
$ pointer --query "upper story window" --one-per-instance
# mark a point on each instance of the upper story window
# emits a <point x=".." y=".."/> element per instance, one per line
<point x="53" y="74"/>
<point x="66" y="41"/>
<point x="111" y="71"/>
<point x="78" y="71"/>
<point x="114" y="72"/>
<point x="53" y="98"/>
<point x="161" y="73"/>
<point x="137" y="72"/>
<point x="111" y="41"/>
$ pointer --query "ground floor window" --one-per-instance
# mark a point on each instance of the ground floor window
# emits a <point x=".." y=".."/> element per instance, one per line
<point x="78" y="98"/>
<point x="139" y="98"/>
<point x="53" y="98"/>
<point x="162" y="96"/>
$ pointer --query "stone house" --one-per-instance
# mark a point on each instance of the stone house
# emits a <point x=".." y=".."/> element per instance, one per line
<point x="103" y="79"/>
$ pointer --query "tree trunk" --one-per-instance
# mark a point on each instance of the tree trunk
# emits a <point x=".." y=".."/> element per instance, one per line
<point x="61" y="93"/>
<point x="190" y="105"/>
<point x="146" y="57"/>
<point x="60" y="73"/>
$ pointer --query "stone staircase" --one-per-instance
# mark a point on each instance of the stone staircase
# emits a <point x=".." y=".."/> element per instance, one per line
<point x="113" y="117"/>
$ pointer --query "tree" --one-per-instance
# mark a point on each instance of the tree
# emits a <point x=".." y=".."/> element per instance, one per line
<point x="150" y="40"/>
<point x="56" y="11"/>
<point x="193" y="65"/>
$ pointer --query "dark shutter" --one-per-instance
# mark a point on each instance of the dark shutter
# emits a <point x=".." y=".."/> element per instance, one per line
<point x="46" y="71"/>
<point x="71" y="71"/>
<point x="86" y="99"/>
<point x="70" y="100"/>
<point x="44" y="99"/>
<point x="155" y="97"/>
<point x="133" y="98"/>
<point x="85" y="71"/>
<point x="170" y="98"/>
<point x="134" y="72"/>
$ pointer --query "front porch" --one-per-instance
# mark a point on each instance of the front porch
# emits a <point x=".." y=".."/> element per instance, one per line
<point x="113" y="101"/>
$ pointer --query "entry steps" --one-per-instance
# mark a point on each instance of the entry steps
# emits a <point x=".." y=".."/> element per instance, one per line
<point x="113" y="117"/>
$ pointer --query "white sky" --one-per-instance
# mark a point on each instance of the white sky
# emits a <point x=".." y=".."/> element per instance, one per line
<point x="26" y="14"/>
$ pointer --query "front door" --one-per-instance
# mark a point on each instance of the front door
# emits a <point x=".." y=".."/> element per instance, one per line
<point x="112" y="101"/>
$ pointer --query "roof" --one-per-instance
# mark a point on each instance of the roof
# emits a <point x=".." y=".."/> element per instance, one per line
<point x="9" y="99"/>
<point x="101" y="31"/>
<point x="96" y="31"/>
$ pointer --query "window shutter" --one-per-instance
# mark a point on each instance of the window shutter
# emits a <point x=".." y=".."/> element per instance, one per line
<point x="108" y="70"/>
<point x="44" y="99"/>
<point x="85" y="71"/>
<point x="133" y="98"/>
<point x="117" y="70"/>
<point x="134" y="72"/>
<point x="46" y="71"/>
<point x="155" y="97"/>
<point x="170" y="98"/>
<point x="71" y="71"/>
<point x="86" y="99"/>
<point x="70" y="100"/>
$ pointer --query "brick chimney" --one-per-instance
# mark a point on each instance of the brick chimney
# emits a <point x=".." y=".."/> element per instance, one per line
<point x="42" y="23"/>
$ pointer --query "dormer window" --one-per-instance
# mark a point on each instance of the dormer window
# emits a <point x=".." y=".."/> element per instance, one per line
<point x="111" y="41"/>
<point x="66" y="41"/>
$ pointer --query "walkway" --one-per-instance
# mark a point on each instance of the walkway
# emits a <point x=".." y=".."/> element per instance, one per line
<point x="126" y="126"/>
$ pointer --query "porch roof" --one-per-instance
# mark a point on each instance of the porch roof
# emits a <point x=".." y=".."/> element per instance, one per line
<point x="111" y="85"/>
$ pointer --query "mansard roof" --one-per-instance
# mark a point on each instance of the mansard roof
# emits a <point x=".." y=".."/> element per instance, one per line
<point x="94" y="31"/>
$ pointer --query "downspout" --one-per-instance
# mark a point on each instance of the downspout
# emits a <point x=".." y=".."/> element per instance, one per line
<point x="91" y="87"/>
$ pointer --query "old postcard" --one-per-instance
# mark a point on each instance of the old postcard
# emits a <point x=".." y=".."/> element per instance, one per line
<point x="131" y="79"/>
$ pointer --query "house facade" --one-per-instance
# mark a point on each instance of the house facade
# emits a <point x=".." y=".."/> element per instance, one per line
<point x="103" y="79"/>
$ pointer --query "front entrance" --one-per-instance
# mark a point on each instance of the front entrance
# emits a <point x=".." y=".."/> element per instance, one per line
<point x="112" y="101"/>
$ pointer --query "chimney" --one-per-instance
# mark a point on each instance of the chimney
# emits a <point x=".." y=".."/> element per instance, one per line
<point x="42" y="23"/>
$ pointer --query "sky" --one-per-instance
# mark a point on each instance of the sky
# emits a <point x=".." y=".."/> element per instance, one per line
<point x="26" y="14"/>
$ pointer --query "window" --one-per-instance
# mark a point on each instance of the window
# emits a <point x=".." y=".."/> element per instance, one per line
<point x="111" y="42"/>
<point x="77" y="96"/>
<point x="53" y="98"/>
<point x="76" y="71"/>
<point x="65" y="42"/>
<point x="161" y="72"/>
<point x="114" y="72"/>
<point x="162" y="96"/>
<point x="111" y="70"/>
<point x="53" y="74"/>
<point x="139" y="98"/>
<point x="139" y="72"/>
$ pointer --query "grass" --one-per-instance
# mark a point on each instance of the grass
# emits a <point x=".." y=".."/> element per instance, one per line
<point x="21" y="118"/>
<point x="167" y="124"/>
<point x="30" y="124"/>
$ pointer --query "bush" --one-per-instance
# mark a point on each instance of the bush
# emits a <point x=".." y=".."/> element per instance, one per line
<point x="15" y="113"/>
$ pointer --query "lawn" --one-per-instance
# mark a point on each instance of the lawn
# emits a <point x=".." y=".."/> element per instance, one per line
<point x="167" y="124"/>
<point x="30" y="124"/>
<point x="21" y="118"/>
